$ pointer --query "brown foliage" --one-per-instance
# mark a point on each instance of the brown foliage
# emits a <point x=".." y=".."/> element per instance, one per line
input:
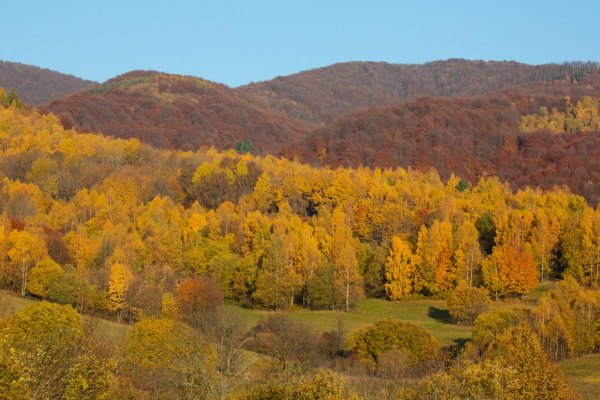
<point x="469" y="137"/>
<point x="176" y="112"/>
<point x="287" y="340"/>
<point x="324" y="94"/>
<point x="38" y="85"/>
<point x="198" y="301"/>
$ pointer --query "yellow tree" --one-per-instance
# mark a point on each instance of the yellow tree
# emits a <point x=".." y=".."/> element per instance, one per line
<point x="514" y="228"/>
<point x="118" y="283"/>
<point x="436" y="272"/>
<point x="4" y="232"/>
<point x="537" y="377"/>
<point x="44" y="173"/>
<point x="400" y="269"/>
<point x="279" y="279"/>
<point x="83" y="249"/>
<point x="276" y="281"/>
<point x="544" y="240"/>
<point x="511" y="269"/>
<point x="26" y="251"/>
<point x="256" y="230"/>
<point x="589" y="234"/>
<point x="291" y="259"/>
<point x="161" y="226"/>
<point x="343" y="245"/>
<point x="468" y="255"/>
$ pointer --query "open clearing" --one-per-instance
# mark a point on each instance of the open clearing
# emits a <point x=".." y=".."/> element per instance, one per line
<point x="584" y="375"/>
<point x="431" y="314"/>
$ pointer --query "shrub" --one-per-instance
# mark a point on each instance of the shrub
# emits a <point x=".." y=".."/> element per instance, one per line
<point x="491" y="324"/>
<point x="41" y="275"/>
<point x="368" y="344"/>
<point x="466" y="303"/>
<point x="324" y="385"/>
<point x="169" y="356"/>
<point x="62" y="288"/>
<point x="46" y="353"/>
<point x="44" y="326"/>
<point x="286" y="340"/>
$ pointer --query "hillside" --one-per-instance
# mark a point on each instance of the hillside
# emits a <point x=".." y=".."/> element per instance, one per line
<point x="466" y="136"/>
<point x="467" y="125"/>
<point x="37" y="85"/>
<point x="126" y="231"/>
<point x="174" y="111"/>
<point x="323" y="94"/>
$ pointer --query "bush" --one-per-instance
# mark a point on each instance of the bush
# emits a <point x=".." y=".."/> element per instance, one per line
<point x="489" y="325"/>
<point x="169" y="356"/>
<point x="286" y="340"/>
<point x="62" y="288"/>
<point x="46" y="353"/>
<point x="368" y="344"/>
<point x="324" y="385"/>
<point x="466" y="303"/>
<point x="44" y="326"/>
<point x="41" y="275"/>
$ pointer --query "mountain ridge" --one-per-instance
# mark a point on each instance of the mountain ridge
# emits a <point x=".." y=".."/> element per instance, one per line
<point x="175" y="111"/>
<point x="36" y="85"/>
<point x="469" y="126"/>
<point x="326" y="93"/>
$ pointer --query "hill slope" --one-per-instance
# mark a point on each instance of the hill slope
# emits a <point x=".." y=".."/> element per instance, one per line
<point x="323" y="94"/>
<point x="37" y="85"/>
<point x="175" y="111"/>
<point x="468" y="136"/>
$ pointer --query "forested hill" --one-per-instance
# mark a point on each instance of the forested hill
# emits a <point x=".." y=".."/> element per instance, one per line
<point x="471" y="137"/>
<point x="160" y="238"/>
<point x="469" y="124"/>
<point x="36" y="85"/>
<point x="176" y="111"/>
<point x="323" y="94"/>
<point x="269" y="231"/>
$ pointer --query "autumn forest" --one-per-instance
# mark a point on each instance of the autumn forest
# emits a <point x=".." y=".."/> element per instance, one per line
<point x="173" y="238"/>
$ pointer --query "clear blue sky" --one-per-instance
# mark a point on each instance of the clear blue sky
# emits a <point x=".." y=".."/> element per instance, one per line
<point x="236" y="42"/>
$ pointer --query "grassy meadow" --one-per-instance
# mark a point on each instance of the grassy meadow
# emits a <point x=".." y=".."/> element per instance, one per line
<point x="583" y="372"/>
<point x="431" y="314"/>
<point x="584" y="375"/>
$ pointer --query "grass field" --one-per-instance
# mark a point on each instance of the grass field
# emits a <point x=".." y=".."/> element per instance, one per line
<point x="584" y="375"/>
<point x="431" y="314"/>
<point x="541" y="289"/>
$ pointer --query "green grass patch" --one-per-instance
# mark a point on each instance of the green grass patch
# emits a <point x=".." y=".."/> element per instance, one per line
<point x="584" y="375"/>
<point x="431" y="314"/>
<point x="541" y="289"/>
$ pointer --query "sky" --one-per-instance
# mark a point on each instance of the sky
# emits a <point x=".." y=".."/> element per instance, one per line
<point x="237" y="42"/>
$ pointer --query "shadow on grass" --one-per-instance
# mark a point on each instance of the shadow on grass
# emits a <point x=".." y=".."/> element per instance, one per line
<point x="439" y="315"/>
